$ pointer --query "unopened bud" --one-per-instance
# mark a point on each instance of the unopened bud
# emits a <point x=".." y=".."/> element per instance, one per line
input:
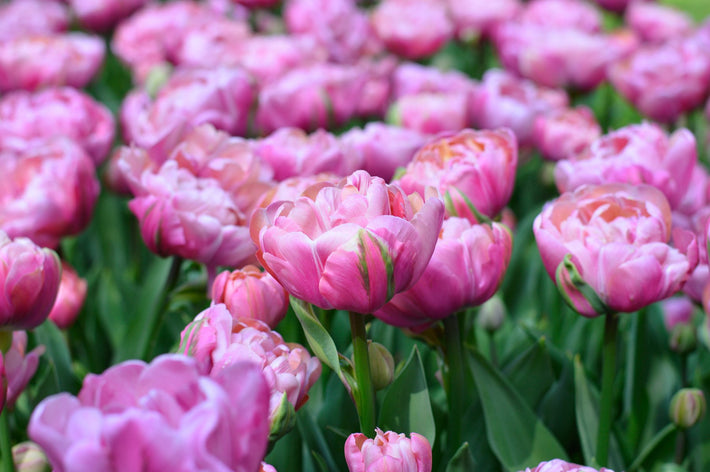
<point x="491" y="314"/>
<point x="683" y="338"/>
<point x="29" y="457"/>
<point x="381" y="365"/>
<point x="687" y="407"/>
<point x="282" y="421"/>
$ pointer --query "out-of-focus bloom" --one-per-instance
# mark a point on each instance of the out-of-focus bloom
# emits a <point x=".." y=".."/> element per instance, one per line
<point x="410" y="79"/>
<point x="388" y="452"/>
<point x="290" y="152"/>
<point x="251" y="293"/>
<point x="687" y="407"/>
<point x="34" y="62"/>
<point x="677" y="310"/>
<point x="101" y="15"/>
<point x="561" y="14"/>
<point x="565" y="132"/>
<point x="267" y="467"/>
<point x="221" y="97"/>
<point x="157" y="417"/>
<point x="664" y="81"/>
<point x="216" y="339"/>
<point x="558" y="465"/>
<point x="29" y="457"/>
<point x="478" y="166"/>
<point x="617" y="238"/>
<point x="491" y="315"/>
<point x="412" y="29"/>
<point x="258" y="3"/>
<point x="634" y="154"/>
<point x="694" y="198"/>
<point x="70" y="298"/>
<point x="351" y="246"/>
<point x="503" y="100"/>
<point x="32" y="17"/>
<point x="62" y="111"/>
<point x="467" y="266"/>
<point x="292" y="188"/>
<point x="478" y="18"/>
<point x="20" y="366"/>
<point x="49" y="190"/>
<point x="430" y="113"/>
<point x="383" y="148"/>
<point x="29" y="282"/>
<point x="657" y="23"/>
<point x="180" y="214"/>
<point x="614" y="5"/>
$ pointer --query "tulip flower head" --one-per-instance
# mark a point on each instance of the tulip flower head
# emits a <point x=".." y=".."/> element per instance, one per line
<point x="388" y="452"/>
<point x="558" y="465"/>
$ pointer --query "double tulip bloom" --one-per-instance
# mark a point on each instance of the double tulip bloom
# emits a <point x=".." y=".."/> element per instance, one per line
<point x="616" y="237"/>
<point x="388" y="452"/>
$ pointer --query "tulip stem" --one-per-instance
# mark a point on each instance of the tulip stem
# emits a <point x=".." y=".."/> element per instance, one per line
<point x="364" y="391"/>
<point x="456" y="387"/>
<point x="611" y="329"/>
<point x="8" y="463"/>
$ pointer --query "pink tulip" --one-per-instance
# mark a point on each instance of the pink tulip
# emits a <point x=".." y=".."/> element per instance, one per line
<point x="467" y="266"/>
<point x="293" y="153"/>
<point x="383" y="148"/>
<point x="558" y="465"/>
<point x="566" y="132"/>
<point x="614" y="5"/>
<point x="20" y="366"/>
<point x="32" y="17"/>
<point x="561" y="14"/>
<point x="617" y="236"/>
<point x="677" y="310"/>
<point x="217" y="340"/>
<point x="180" y="214"/>
<point x="664" y="81"/>
<point x="57" y="112"/>
<point x="70" y="298"/>
<point x="431" y="113"/>
<point x="410" y="79"/>
<point x="102" y="15"/>
<point x="29" y="281"/>
<point x="503" y="100"/>
<point x="475" y="165"/>
<point x="699" y="224"/>
<point x="656" y="23"/>
<point x="38" y="61"/>
<point x="49" y="190"/>
<point x="475" y="18"/>
<point x="634" y="154"/>
<point x="292" y="188"/>
<point x="251" y="293"/>
<point x="157" y="417"/>
<point x="351" y="246"/>
<point x="221" y="97"/>
<point x="258" y="3"/>
<point x="413" y="30"/>
<point x="267" y="467"/>
<point x="388" y="452"/>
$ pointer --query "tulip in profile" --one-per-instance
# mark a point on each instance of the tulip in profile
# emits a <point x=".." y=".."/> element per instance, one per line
<point x="388" y="452"/>
<point x="350" y="246"/>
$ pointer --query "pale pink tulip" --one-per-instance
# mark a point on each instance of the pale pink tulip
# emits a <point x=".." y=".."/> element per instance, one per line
<point x="350" y="246"/>
<point x="388" y="452"/>
<point x="478" y="18"/>
<point x="410" y="79"/>
<point x="32" y="17"/>
<point x="20" y="366"/>
<point x="558" y="465"/>
<point x="617" y="236"/>
<point x="292" y="188"/>
<point x="430" y="113"/>
<point x="565" y="132"/>
<point x="657" y="23"/>
<point x="561" y="14"/>
<point x="102" y="15"/>
<point x="70" y="298"/>
<point x="157" y="417"/>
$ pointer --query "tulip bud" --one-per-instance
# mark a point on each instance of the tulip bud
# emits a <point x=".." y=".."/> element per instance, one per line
<point x="29" y="457"/>
<point x="381" y="365"/>
<point x="687" y="407"/>
<point x="283" y="419"/>
<point x="491" y="314"/>
<point x="683" y="338"/>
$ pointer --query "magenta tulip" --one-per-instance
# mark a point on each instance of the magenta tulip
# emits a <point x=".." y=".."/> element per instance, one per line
<point x="431" y="112"/>
<point x="101" y="15"/>
<point x="388" y="452"/>
<point x="32" y="17"/>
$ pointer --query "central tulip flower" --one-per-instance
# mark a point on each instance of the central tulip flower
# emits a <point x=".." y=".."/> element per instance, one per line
<point x="617" y="238"/>
<point x="388" y="452"/>
<point x="350" y="246"/>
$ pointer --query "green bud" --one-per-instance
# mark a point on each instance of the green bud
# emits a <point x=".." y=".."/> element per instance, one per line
<point x="687" y="407"/>
<point x="381" y="365"/>
<point x="282" y="421"/>
<point x="29" y="457"/>
<point x="491" y="314"/>
<point x="683" y="338"/>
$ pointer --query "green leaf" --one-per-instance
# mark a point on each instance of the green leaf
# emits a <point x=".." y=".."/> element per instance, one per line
<point x="698" y="9"/>
<point x="531" y="373"/>
<point x="518" y="437"/>
<point x="462" y="460"/>
<point x="663" y="437"/>
<point x="58" y="356"/>
<point x="406" y="406"/>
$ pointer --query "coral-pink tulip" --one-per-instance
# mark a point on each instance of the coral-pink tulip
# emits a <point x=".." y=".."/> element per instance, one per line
<point x="350" y="246"/>
<point x="565" y="132"/>
<point x="388" y="452"/>
<point x="63" y="111"/>
<point x="634" y="154"/>
<point x="20" y="366"/>
<point x="70" y="298"/>
<point x="101" y="15"/>
<point x="29" y="282"/>
<point x="31" y="17"/>
<point x="157" y="417"/>
<point x="478" y="166"/>
<point x="467" y="266"/>
<point x="217" y="339"/>
<point x="251" y="293"/>
<point x="558" y="465"/>
<point x="657" y="23"/>
<point x="617" y="236"/>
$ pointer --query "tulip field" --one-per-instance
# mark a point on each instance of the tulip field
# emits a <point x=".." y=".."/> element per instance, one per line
<point x="354" y="235"/>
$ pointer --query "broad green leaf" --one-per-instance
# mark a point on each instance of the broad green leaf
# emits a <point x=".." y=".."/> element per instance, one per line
<point x="58" y="356"/>
<point x="406" y="406"/>
<point x="313" y="437"/>
<point x="518" y="437"/>
<point x="462" y="460"/>
<point x="665" y="437"/>
<point x="557" y="408"/>
<point x="531" y="373"/>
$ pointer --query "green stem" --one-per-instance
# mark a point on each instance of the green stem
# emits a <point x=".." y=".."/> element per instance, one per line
<point x="679" y="447"/>
<point x="364" y="392"/>
<point x="456" y="384"/>
<point x="8" y="463"/>
<point x="611" y="329"/>
<point x="146" y="343"/>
